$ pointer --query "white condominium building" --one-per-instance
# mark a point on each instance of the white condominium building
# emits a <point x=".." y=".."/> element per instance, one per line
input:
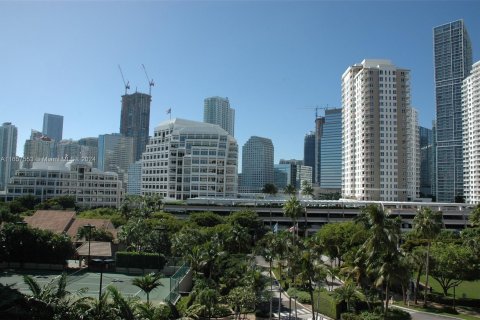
<point x="471" y="135"/>
<point x="187" y="159"/>
<point x="89" y="186"/>
<point x="376" y="121"/>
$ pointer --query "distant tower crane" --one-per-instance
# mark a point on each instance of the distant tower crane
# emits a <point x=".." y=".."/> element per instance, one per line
<point x="316" y="109"/>
<point x="126" y="84"/>
<point x="150" y="81"/>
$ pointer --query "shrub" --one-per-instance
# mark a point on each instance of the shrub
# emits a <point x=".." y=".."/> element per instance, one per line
<point x="221" y="311"/>
<point x="350" y="316"/>
<point x="393" y="314"/>
<point x="142" y="260"/>
<point x="397" y="314"/>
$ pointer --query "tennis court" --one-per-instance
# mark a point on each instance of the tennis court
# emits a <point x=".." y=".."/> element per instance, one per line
<point x="89" y="280"/>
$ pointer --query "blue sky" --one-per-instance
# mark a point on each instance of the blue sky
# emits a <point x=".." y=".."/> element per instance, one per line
<point x="270" y="58"/>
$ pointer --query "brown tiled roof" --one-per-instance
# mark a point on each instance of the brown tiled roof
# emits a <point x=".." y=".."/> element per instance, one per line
<point x="54" y="220"/>
<point x="97" y="249"/>
<point x="64" y="221"/>
<point x="98" y="223"/>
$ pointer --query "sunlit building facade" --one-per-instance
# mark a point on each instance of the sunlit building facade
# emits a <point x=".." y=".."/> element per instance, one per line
<point x="376" y="119"/>
<point x="257" y="164"/>
<point x="217" y="110"/>
<point x="471" y="135"/>
<point x="188" y="159"/>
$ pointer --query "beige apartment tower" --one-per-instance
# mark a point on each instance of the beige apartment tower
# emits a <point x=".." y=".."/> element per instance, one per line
<point x="378" y="145"/>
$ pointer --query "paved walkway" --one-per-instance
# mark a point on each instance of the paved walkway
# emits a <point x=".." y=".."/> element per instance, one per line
<point x="286" y="308"/>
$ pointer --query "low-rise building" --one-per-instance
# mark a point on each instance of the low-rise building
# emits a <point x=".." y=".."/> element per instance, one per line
<point x="89" y="186"/>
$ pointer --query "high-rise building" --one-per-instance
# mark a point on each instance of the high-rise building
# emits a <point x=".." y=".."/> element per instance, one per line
<point x="375" y="125"/>
<point x="413" y="154"/>
<point x="257" y="164"/>
<point x="8" y="153"/>
<point x="331" y="150"/>
<point x="319" y="122"/>
<point x="134" y="186"/>
<point x="68" y="149"/>
<point x="189" y="159"/>
<point x="217" y="110"/>
<point x="53" y="126"/>
<point x="471" y="135"/>
<point x="453" y="62"/>
<point x="309" y="152"/>
<point x="285" y="174"/>
<point x="426" y="161"/>
<point x="135" y="120"/>
<point x="304" y="175"/>
<point x="281" y="176"/>
<point x="115" y="154"/>
<point x="38" y="148"/>
<point x="89" y="150"/>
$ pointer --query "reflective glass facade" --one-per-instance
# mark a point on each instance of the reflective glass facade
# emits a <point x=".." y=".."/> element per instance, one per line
<point x="426" y="161"/>
<point x="257" y="164"/>
<point x="331" y="150"/>
<point x="309" y="152"/>
<point x="453" y="62"/>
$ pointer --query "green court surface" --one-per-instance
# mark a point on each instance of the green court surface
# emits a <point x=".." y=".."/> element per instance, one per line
<point x="88" y="280"/>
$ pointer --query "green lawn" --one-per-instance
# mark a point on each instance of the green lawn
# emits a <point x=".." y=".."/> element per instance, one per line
<point x="438" y="310"/>
<point x="466" y="289"/>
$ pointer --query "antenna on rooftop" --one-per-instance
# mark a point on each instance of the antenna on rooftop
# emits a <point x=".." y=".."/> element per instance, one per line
<point x="126" y="84"/>
<point x="150" y="81"/>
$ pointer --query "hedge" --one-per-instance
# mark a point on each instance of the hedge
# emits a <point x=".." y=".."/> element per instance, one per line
<point x="328" y="305"/>
<point x="141" y="260"/>
<point x="302" y="296"/>
<point x="465" y="302"/>
<point x="393" y="314"/>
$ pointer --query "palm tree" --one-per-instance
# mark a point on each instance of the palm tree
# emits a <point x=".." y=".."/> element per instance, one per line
<point x="347" y="292"/>
<point x="416" y="259"/>
<point x="386" y="273"/>
<point x="293" y="209"/>
<point x="125" y="307"/>
<point x="270" y="189"/>
<point x="290" y="190"/>
<point x="100" y="309"/>
<point x="148" y="283"/>
<point x="267" y="250"/>
<point x="307" y="189"/>
<point x="197" y="259"/>
<point x="427" y="224"/>
<point x="384" y="233"/>
<point x="310" y="268"/>
<point x="208" y="298"/>
<point x="381" y="245"/>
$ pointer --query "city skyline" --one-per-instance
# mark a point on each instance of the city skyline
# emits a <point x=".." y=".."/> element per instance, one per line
<point x="289" y="56"/>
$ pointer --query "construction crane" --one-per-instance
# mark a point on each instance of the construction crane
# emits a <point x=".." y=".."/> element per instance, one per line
<point x="126" y="84"/>
<point x="316" y="109"/>
<point x="150" y="81"/>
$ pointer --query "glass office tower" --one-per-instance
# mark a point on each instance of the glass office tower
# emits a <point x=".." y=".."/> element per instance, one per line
<point x="453" y="62"/>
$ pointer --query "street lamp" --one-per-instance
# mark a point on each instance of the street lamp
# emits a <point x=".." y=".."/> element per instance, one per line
<point x="102" y="263"/>
<point x="89" y="227"/>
